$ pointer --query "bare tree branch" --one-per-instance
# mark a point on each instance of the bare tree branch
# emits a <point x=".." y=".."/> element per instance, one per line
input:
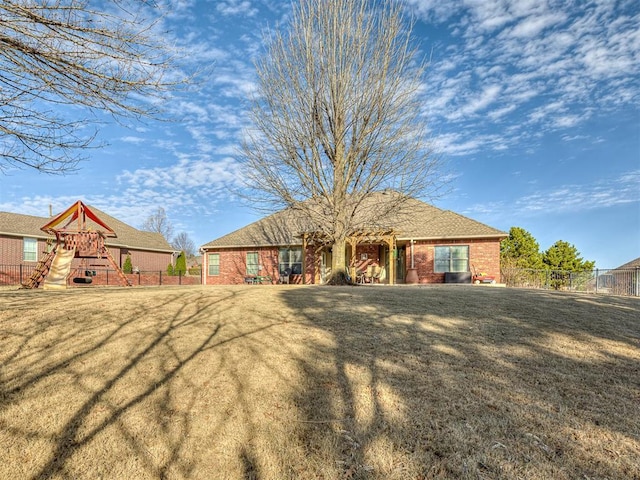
<point x="183" y="243"/>
<point x="61" y="54"/>
<point x="338" y="117"/>
<point x="159" y="223"/>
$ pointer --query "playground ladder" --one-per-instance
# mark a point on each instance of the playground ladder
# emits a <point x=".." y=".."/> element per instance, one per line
<point x="42" y="268"/>
<point x="102" y="251"/>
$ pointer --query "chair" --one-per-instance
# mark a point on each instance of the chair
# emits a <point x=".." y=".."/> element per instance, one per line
<point x="368" y="275"/>
<point x="376" y="274"/>
<point x="284" y="278"/>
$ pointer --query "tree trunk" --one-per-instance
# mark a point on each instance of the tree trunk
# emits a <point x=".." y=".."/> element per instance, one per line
<point x="338" y="263"/>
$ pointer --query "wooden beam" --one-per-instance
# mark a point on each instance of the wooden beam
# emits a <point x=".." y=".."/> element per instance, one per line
<point x="304" y="258"/>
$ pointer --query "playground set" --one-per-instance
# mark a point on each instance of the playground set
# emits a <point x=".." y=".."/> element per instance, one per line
<point x="74" y="238"/>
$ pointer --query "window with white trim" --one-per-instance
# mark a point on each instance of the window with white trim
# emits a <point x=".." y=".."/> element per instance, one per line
<point x="30" y="249"/>
<point x="290" y="258"/>
<point x="253" y="267"/>
<point x="214" y="264"/>
<point x="454" y="258"/>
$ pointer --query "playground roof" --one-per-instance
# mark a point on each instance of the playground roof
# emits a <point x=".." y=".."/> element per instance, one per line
<point x="76" y="216"/>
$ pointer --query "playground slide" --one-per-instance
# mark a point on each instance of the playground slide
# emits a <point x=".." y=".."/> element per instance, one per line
<point x="60" y="268"/>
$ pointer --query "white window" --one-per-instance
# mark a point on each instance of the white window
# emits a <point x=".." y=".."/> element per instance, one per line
<point x="290" y="258"/>
<point x="30" y="249"/>
<point x="214" y="264"/>
<point x="451" y="259"/>
<point x="253" y="268"/>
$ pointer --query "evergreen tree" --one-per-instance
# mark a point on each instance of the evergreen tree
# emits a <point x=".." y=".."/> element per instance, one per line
<point x="181" y="264"/>
<point x="520" y="250"/>
<point x="564" y="256"/>
<point x="565" y="262"/>
<point x="170" y="271"/>
<point x="127" y="267"/>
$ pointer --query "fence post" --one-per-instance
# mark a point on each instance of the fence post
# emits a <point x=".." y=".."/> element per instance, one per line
<point x="597" y="276"/>
<point x="107" y="276"/>
<point x="21" y="274"/>
<point x="179" y="277"/>
<point x="138" y="277"/>
<point x="160" y="272"/>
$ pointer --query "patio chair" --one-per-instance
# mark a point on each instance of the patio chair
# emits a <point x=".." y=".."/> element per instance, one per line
<point x="368" y="275"/>
<point x="285" y="277"/>
<point x="375" y="277"/>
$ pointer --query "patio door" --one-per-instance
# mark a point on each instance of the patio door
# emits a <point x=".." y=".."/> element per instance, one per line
<point x="400" y="265"/>
<point x="325" y="266"/>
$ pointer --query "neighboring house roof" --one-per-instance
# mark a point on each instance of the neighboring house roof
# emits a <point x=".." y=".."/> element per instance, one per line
<point x="18" y="225"/>
<point x="632" y="264"/>
<point x="421" y="221"/>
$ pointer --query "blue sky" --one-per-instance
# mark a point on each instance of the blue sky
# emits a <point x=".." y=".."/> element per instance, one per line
<point x="533" y="104"/>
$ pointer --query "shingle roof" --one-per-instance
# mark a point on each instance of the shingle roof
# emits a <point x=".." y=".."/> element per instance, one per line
<point x="15" y="224"/>
<point x="421" y="221"/>
<point x="632" y="264"/>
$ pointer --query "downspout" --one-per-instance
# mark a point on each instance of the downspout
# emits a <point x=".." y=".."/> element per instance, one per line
<point x="412" y="273"/>
<point x="205" y="269"/>
<point x="412" y="265"/>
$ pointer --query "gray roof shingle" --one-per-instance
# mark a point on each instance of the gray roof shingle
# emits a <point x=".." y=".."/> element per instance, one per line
<point x="421" y="221"/>
<point x="632" y="264"/>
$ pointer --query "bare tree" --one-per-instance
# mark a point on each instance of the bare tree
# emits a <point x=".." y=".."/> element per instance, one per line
<point x="159" y="223"/>
<point x="337" y="117"/>
<point x="61" y="54"/>
<point x="181" y="242"/>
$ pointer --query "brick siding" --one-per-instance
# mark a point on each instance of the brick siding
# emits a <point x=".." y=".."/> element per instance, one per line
<point x="484" y="256"/>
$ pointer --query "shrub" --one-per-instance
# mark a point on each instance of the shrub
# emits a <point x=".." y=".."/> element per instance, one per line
<point x="170" y="270"/>
<point x="181" y="264"/>
<point x="127" y="267"/>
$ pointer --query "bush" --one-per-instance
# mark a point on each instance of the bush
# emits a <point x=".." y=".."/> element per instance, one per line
<point x="127" y="267"/>
<point x="170" y="270"/>
<point x="181" y="264"/>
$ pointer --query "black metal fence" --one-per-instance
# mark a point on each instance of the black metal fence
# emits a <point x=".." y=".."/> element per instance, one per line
<point x="599" y="281"/>
<point x="16" y="275"/>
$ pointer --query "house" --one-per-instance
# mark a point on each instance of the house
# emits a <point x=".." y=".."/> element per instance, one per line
<point x="23" y="243"/>
<point x="625" y="280"/>
<point x="426" y="244"/>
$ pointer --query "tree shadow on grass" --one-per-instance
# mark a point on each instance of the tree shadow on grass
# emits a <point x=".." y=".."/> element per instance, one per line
<point x="316" y="382"/>
<point x="469" y="383"/>
<point x="129" y="374"/>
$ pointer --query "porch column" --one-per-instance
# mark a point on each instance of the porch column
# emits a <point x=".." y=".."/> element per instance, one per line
<point x="391" y="241"/>
<point x="304" y="258"/>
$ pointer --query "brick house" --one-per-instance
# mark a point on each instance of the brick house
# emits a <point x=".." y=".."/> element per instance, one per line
<point x="426" y="245"/>
<point x="22" y="244"/>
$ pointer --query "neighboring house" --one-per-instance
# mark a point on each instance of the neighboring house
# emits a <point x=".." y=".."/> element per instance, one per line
<point x="22" y="243"/>
<point x="625" y="280"/>
<point x="440" y="245"/>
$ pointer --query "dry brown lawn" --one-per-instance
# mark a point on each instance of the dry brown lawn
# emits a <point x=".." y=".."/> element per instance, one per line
<point x="293" y="382"/>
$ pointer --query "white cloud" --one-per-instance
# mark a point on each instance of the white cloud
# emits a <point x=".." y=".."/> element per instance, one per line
<point x="549" y="63"/>
<point x="533" y="26"/>
<point x="236" y="7"/>
<point x="185" y="175"/>
<point x="570" y="198"/>
<point x="132" y="139"/>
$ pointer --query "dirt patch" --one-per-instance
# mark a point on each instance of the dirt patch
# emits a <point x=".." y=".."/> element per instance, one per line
<point x="277" y="382"/>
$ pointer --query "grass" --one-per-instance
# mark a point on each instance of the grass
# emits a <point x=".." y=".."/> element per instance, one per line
<point x="288" y="382"/>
